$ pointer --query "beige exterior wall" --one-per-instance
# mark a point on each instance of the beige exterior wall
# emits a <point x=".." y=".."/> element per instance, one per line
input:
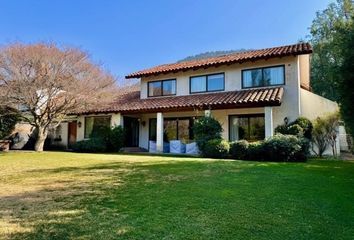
<point x="291" y="102"/>
<point x="304" y="65"/>
<point x="232" y="74"/>
<point x="62" y="131"/>
<point x="313" y="105"/>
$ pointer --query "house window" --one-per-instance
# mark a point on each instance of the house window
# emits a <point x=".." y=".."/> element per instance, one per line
<point x="174" y="129"/>
<point x="94" y="123"/>
<point x="207" y="83"/>
<point x="262" y="77"/>
<point x="162" y="88"/>
<point x="247" y="127"/>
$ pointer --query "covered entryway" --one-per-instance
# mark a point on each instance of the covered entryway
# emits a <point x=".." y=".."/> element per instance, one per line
<point x="131" y="127"/>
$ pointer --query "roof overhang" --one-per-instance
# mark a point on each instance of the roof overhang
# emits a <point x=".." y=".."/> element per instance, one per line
<point x="241" y="57"/>
<point x="250" y="98"/>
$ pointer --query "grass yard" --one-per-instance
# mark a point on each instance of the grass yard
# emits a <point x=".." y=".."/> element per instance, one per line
<point x="100" y="196"/>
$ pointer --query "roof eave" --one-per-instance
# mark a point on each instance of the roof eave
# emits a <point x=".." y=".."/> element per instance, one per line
<point x="139" y="75"/>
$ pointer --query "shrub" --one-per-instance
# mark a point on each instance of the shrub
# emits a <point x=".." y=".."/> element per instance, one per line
<point x="216" y="148"/>
<point x="90" y="146"/>
<point x="205" y="129"/>
<point x="301" y="127"/>
<point x="116" y="139"/>
<point x="306" y="126"/>
<point x="238" y="149"/>
<point x="284" y="148"/>
<point x="111" y="138"/>
<point x="325" y="133"/>
<point x="102" y="132"/>
<point x="255" y="151"/>
<point x="295" y="130"/>
<point x="301" y="156"/>
<point x="8" y="119"/>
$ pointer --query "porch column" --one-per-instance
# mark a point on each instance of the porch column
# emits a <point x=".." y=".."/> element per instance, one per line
<point x="117" y="119"/>
<point x="159" y="133"/>
<point x="268" y="118"/>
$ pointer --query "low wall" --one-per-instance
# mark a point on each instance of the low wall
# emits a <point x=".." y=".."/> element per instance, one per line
<point x="313" y="105"/>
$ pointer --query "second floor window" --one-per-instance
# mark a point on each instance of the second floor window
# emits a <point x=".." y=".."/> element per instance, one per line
<point x="262" y="77"/>
<point x="162" y="88"/>
<point x="207" y="83"/>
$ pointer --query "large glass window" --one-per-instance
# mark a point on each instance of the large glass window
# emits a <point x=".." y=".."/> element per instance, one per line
<point x="162" y="88"/>
<point x="169" y="87"/>
<point x="215" y="82"/>
<point x="93" y="123"/>
<point x="248" y="127"/>
<point x="198" y="84"/>
<point x="207" y="83"/>
<point x="174" y="129"/>
<point x="262" y="77"/>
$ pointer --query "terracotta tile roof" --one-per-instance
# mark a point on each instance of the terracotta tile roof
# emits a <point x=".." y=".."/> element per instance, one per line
<point x="130" y="102"/>
<point x="296" y="49"/>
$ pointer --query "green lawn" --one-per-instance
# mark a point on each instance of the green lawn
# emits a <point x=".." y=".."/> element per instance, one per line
<point x="100" y="196"/>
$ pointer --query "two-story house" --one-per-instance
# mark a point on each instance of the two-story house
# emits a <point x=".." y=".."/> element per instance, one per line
<point x="249" y="93"/>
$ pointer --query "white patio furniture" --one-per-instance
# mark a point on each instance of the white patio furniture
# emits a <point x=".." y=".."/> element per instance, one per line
<point x="192" y="148"/>
<point x="176" y="146"/>
<point x="152" y="146"/>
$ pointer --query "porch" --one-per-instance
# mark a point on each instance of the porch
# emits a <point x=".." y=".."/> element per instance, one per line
<point x="154" y="132"/>
<point x="246" y="114"/>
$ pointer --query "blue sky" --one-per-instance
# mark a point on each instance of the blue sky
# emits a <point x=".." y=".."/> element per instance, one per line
<point x="127" y="36"/>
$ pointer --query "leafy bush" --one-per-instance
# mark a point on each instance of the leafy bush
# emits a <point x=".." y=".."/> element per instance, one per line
<point x="8" y="119"/>
<point x="301" y="156"/>
<point x="255" y="151"/>
<point x="107" y="140"/>
<point x="301" y="127"/>
<point x="90" y="146"/>
<point x="284" y="148"/>
<point x="216" y="148"/>
<point x="295" y="130"/>
<point x="116" y="139"/>
<point x="239" y="149"/>
<point x="205" y="129"/>
<point x="306" y="126"/>
<point x="325" y="133"/>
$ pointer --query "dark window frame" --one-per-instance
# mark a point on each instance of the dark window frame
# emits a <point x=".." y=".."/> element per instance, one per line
<point x="162" y="81"/>
<point x="206" y="83"/>
<point x="244" y="115"/>
<point x="87" y="137"/>
<point x="262" y="68"/>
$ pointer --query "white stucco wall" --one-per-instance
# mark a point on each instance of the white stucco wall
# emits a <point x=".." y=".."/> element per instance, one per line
<point x="313" y="105"/>
<point x="304" y="64"/>
<point x="80" y="134"/>
<point x="232" y="74"/>
<point x="64" y="134"/>
<point x="290" y="107"/>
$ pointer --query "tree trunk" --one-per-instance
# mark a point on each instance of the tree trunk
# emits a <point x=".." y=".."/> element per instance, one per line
<point x="41" y="137"/>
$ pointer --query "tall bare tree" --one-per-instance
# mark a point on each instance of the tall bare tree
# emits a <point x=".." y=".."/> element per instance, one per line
<point x="50" y="82"/>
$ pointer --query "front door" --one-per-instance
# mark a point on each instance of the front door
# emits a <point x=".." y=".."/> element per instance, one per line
<point x="72" y="131"/>
<point x="131" y="127"/>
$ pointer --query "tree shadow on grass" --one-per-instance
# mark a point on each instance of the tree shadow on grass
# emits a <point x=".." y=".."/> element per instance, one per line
<point x="139" y="200"/>
<point x="93" y="201"/>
